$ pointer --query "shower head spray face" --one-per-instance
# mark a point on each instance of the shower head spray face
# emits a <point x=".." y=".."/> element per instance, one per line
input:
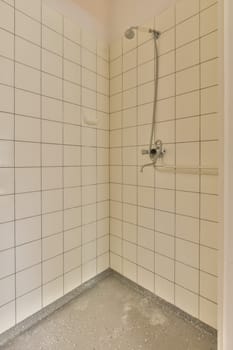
<point x="130" y="33"/>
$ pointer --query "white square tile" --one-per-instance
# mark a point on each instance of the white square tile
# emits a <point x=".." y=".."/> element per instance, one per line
<point x="27" y="205"/>
<point x="187" y="253"/>
<point x="6" y="17"/>
<point x="71" y="30"/>
<point x="52" y="223"/>
<point x="72" y="51"/>
<point x="187" y="228"/>
<point x="146" y="279"/>
<point x="130" y="270"/>
<point x="52" y="41"/>
<point x="186" y="9"/>
<point x="7" y="44"/>
<point x="186" y="301"/>
<point x="72" y="197"/>
<point x="72" y="218"/>
<point x="51" y="86"/>
<point x="187" y="203"/>
<point x="166" y="19"/>
<point x="72" y="259"/>
<point x="145" y="258"/>
<point x="209" y="207"/>
<point x="209" y="20"/>
<point x="27" y="129"/>
<point x="209" y="286"/>
<point x="52" y="246"/>
<point x="52" y="201"/>
<point x="51" y="63"/>
<point x="209" y="46"/>
<point x="209" y="100"/>
<point x="27" y="103"/>
<point x="52" y="178"/>
<point x="209" y="73"/>
<point x="72" y="93"/>
<point x="89" y="270"/>
<point x="129" y="61"/>
<point x="146" y="52"/>
<point x="164" y="267"/>
<point x="7" y="316"/>
<point x="27" y="154"/>
<point x="72" y="113"/>
<point x="166" y="42"/>
<point x="6" y="71"/>
<point x="72" y="72"/>
<point x="52" y="18"/>
<point x="52" y="268"/>
<point x="52" y="291"/>
<point x="7" y="154"/>
<point x="115" y="49"/>
<point x="6" y="126"/>
<point x="27" y="28"/>
<point x="188" y="105"/>
<point x="164" y="244"/>
<point x="7" y="99"/>
<point x="209" y="260"/>
<point x="27" y="179"/>
<point x="187" y="55"/>
<point x="6" y="235"/>
<point x="28" y="230"/>
<point x="165" y="222"/>
<point x="187" y="31"/>
<point x="187" y="80"/>
<point x="72" y="238"/>
<point x="72" y="156"/>
<point x="166" y="87"/>
<point x="31" y="8"/>
<point x="209" y="234"/>
<point x="88" y="59"/>
<point x="208" y="312"/>
<point x="51" y="132"/>
<point x="28" y="280"/>
<point x="72" y="176"/>
<point x="28" y="255"/>
<point x="27" y="78"/>
<point x="89" y="41"/>
<point x="72" y="280"/>
<point x="164" y="289"/>
<point x="187" y="277"/>
<point x="7" y="290"/>
<point x="7" y="266"/>
<point x="27" y="53"/>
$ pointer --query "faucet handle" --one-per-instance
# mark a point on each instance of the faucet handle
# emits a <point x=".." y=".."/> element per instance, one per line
<point x="144" y="151"/>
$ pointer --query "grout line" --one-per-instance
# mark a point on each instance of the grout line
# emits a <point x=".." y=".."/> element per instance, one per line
<point x="41" y="169"/>
<point x="175" y="175"/>
<point x="200" y="177"/>
<point x="15" y="263"/>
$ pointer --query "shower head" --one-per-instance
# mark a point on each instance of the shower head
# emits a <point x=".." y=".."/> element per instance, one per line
<point x="130" y="32"/>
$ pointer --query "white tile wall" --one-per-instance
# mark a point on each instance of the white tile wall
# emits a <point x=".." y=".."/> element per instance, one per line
<point x="163" y="226"/>
<point x="48" y="199"/>
<point x="54" y="198"/>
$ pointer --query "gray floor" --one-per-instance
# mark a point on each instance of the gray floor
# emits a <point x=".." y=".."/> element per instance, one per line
<point x="113" y="315"/>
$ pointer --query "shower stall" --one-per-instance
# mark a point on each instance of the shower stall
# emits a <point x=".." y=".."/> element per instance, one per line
<point x="109" y="173"/>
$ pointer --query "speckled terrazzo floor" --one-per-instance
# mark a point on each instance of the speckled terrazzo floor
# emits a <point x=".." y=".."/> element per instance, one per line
<point x="113" y="315"/>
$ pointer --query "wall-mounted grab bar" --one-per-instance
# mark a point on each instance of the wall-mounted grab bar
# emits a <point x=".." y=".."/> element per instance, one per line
<point x="187" y="169"/>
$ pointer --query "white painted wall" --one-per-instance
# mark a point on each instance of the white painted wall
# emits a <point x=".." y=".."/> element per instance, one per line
<point x="126" y="13"/>
<point x="92" y="18"/>
<point x="109" y="18"/>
